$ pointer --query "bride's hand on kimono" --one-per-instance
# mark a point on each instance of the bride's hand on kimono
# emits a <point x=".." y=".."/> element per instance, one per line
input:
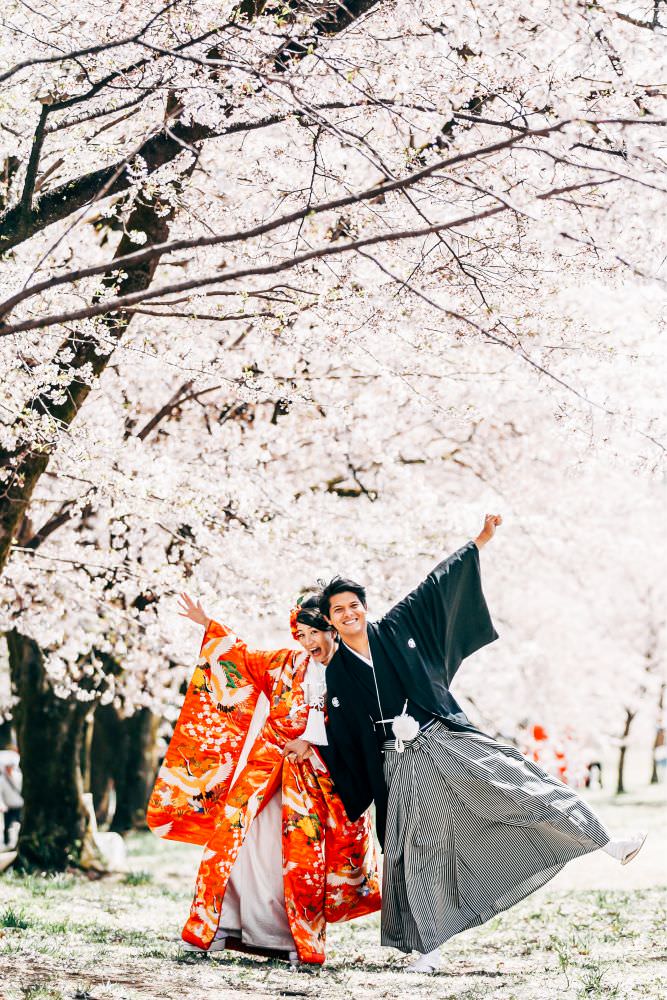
<point x="491" y="522"/>
<point x="193" y="611"/>
<point x="297" y="750"/>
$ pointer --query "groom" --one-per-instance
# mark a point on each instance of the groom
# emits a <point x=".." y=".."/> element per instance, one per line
<point x="469" y="826"/>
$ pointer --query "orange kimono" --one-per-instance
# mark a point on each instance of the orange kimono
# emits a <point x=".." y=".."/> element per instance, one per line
<point x="329" y="863"/>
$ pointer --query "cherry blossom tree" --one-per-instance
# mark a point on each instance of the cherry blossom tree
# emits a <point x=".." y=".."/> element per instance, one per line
<point x="287" y="282"/>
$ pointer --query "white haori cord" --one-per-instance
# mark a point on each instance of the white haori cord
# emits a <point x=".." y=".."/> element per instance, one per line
<point x="403" y="726"/>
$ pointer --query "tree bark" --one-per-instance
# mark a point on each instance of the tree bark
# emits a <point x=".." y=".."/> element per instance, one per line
<point x="6" y="734"/>
<point x="17" y="225"/>
<point x="123" y="758"/>
<point x="620" y="775"/>
<point x="135" y="782"/>
<point x="55" y="832"/>
<point x="660" y="735"/>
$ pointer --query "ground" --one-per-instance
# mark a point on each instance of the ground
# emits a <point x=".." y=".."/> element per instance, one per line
<point x="598" y="930"/>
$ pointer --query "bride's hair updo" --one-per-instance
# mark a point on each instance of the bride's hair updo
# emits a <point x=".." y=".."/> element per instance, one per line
<point x="308" y="613"/>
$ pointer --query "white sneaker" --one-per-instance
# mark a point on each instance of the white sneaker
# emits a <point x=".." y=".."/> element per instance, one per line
<point x="217" y="944"/>
<point x="186" y="946"/>
<point x="626" y="848"/>
<point x="426" y="964"/>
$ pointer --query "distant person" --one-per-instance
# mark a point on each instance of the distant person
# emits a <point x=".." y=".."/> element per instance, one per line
<point x="11" y="800"/>
<point x="593" y="774"/>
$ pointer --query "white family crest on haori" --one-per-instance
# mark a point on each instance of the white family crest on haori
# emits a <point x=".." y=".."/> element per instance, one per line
<point x="412" y="644"/>
<point x="335" y="702"/>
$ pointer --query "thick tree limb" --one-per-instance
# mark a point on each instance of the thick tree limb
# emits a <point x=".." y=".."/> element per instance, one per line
<point x="17" y="226"/>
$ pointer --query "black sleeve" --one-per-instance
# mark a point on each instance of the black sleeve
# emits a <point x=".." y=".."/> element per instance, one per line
<point x="353" y="794"/>
<point x="447" y="613"/>
<point x="345" y="758"/>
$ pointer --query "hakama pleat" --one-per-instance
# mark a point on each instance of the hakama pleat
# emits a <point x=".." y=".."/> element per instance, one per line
<point x="473" y="827"/>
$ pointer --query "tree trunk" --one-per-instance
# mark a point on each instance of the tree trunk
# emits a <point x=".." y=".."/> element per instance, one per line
<point x="6" y="734"/>
<point x="104" y="751"/>
<point x="620" y="778"/>
<point x="124" y="758"/>
<point x="659" y="741"/>
<point x="135" y="782"/>
<point x="55" y="829"/>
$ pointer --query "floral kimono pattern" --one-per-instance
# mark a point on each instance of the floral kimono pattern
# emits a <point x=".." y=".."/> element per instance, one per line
<point x="329" y="863"/>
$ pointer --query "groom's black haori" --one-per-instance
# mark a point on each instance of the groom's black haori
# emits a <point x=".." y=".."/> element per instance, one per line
<point x="416" y="648"/>
<point x="469" y="826"/>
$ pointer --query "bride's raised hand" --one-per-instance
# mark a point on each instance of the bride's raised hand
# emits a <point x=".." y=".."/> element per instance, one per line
<point x="193" y="611"/>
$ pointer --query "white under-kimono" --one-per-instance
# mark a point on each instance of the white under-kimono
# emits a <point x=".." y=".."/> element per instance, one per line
<point x="253" y="908"/>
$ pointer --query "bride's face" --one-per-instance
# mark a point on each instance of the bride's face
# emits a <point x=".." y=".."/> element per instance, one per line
<point x="320" y="645"/>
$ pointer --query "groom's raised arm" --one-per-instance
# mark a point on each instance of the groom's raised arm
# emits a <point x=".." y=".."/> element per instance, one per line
<point x="446" y="616"/>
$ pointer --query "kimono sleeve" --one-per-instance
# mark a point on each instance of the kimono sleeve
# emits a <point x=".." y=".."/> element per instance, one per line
<point x="233" y="664"/>
<point x="209" y="735"/>
<point x="447" y="613"/>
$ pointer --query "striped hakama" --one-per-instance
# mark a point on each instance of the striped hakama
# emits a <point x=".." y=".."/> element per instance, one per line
<point x="473" y="827"/>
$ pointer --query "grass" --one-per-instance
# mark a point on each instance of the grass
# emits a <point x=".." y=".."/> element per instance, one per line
<point x="595" y="933"/>
<point x="11" y="917"/>
<point x="138" y="878"/>
<point x="41" y="992"/>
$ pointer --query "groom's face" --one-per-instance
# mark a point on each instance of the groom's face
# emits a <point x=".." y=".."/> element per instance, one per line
<point x="347" y="615"/>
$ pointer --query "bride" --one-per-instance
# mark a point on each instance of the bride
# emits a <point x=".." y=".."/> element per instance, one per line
<point x="281" y="857"/>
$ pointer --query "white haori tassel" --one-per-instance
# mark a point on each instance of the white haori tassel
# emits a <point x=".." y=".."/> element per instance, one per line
<point x="315" y="731"/>
<point x="315" y="691"/>
<point x="404" y="727"/>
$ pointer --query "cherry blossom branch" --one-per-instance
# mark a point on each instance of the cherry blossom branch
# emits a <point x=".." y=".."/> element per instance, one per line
<point x="139" y="257"/>
<point x="519" y="350"/>
<point x="90" y="50"/>
<point x="122" y="302"/>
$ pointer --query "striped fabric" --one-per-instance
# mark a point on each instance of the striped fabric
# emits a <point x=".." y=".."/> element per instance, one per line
<point x="473" y="827"/>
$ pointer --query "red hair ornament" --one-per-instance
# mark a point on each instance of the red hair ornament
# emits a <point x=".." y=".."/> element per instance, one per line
<point x="293" y="624"/>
